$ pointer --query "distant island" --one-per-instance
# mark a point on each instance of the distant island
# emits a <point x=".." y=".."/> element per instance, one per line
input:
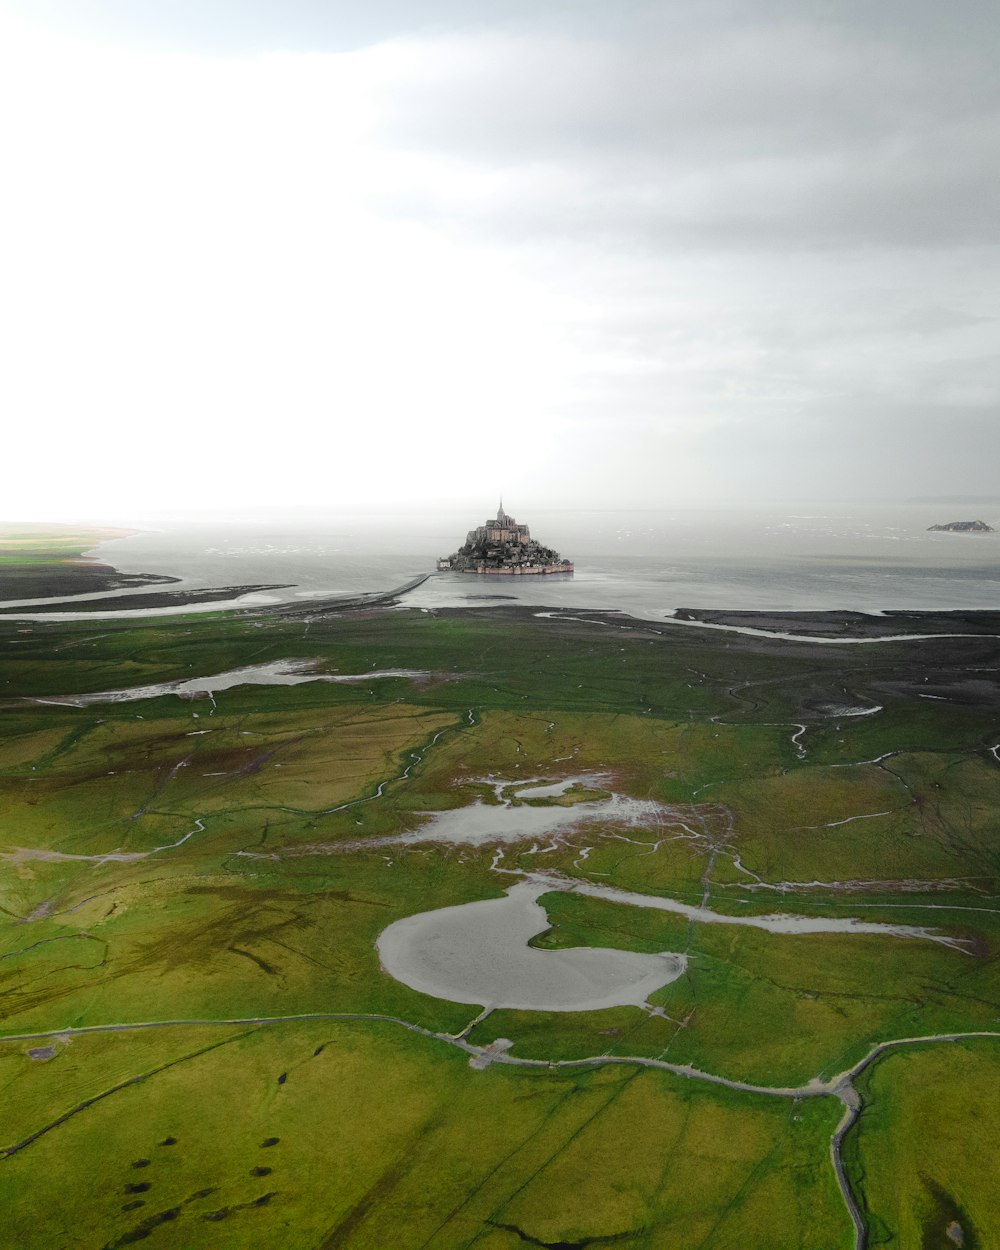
<point x="964" y="500"/>
<point x="964" y="527"/>
<point x="503" y="546"/>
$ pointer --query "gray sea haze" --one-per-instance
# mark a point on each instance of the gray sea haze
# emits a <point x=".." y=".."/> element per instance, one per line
<point x="866" y="558"/>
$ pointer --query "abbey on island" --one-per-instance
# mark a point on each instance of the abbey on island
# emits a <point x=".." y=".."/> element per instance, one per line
<point x="503" y="546"/>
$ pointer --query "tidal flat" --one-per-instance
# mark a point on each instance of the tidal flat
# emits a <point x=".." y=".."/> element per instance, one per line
<point x="480" y="953"/>
<point x="772" y="920"/>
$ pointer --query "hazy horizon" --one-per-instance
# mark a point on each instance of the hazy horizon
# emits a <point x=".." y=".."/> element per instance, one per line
<point x="447" y="515"/>
<point x="267" y="257"/>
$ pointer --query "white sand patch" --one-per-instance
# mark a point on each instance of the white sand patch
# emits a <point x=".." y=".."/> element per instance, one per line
<point x="485" y="822"/>
<point x="274" y="673"/>
<point x="839" y="711"/>
<point x="478" y="953"/>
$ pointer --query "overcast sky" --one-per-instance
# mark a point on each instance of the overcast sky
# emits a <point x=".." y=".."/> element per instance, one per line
<point x="330" y="254"/>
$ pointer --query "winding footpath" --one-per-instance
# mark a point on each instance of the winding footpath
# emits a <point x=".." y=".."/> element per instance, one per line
<point x="840" y="1087"/>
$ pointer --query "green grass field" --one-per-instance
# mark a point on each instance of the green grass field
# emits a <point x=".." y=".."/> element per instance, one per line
<point x="235" y="859"/>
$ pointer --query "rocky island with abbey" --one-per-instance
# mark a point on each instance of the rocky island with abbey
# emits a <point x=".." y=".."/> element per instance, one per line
<point x="502" y="546"/>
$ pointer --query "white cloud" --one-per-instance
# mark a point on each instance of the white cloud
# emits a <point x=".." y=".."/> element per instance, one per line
<point x="434" y="266"/>
<point x="196" y="290"/>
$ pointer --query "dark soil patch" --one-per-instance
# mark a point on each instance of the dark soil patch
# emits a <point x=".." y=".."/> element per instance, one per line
<point x="145" y="1229"/>
<point x="199" y="1194"/>
<point x="47" y="587"/>
<point x="256" y="959"/>
<point x="947" y="1225"/>
<point x="224" y="1212"/>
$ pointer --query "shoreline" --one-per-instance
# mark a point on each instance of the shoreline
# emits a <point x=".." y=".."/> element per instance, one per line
<point x="82" y="588"/>
<point x="823" y="627"/>
<point x="827" y="627"/>
<point x="839" y="623"/>
<point x="137" y="603"/>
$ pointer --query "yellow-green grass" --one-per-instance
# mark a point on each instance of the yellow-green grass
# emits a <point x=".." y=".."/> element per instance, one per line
<point x="85" y="798"/>
<point x="761" y="1007"/>
<point x="273" y="908"/>
<point x="51" y="536"/>
<point x="20" y="750"/>
<point x="387" y="1139"/>
<point x="645" y="757"/>
<point x="44" y="547"/>
<point x="627" y="858"/>
<point x="926" y="1151"/>
<point x="176" y="931"/>
<point x="931" y="817"/>
<point x="171" y="943"/>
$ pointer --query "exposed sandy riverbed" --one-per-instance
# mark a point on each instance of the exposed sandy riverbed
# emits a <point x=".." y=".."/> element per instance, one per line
<point x="478" y="953"/>
<point x="274" y="673"/>
<point x="482" y="823"/>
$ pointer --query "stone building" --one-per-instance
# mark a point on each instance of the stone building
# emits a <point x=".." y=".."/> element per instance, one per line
<point x="503" y="546"/>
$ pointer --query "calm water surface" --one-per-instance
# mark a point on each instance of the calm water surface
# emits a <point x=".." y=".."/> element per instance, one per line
<point x="865" y="558"/>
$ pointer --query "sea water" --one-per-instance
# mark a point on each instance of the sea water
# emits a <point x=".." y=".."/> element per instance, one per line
<point x="866" y="558"/>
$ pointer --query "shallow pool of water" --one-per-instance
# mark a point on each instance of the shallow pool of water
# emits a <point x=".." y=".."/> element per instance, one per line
<point x="478" y="953"/>
<point x="486" y="822"/>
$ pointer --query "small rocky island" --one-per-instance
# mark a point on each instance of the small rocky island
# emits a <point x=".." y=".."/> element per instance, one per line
<point x="503" y="546"/>
<point x="964" y="527"/>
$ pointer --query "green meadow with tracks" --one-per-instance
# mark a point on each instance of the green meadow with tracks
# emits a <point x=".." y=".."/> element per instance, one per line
<point x="199" y="1047"/>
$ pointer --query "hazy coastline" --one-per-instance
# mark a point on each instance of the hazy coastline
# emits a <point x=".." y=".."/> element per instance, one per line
<point x="650" y="564"/>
